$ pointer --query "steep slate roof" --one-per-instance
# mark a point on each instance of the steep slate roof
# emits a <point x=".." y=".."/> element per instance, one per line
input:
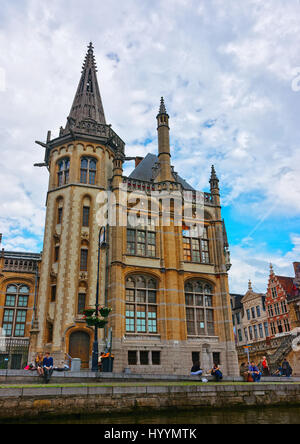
<point x="144" y="172"/>
<point x="87" y="105"/>
<point x="237" y="300"/>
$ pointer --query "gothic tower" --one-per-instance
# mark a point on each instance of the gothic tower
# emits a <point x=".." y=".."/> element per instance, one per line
<point x="80" y="163"/>
<point x="167" y="283"/>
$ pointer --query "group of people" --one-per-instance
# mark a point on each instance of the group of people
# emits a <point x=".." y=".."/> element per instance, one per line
<point x="43" y="364"/>
<point x="215" y="371"/>
<point x="253" y="373"/>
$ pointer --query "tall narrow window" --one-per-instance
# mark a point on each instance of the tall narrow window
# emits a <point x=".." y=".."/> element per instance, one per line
<point x="53" y="293"/>
<point x="286" y="324"/>
<point x="141" y="305"/>
<point x="63" y="171"/>
<point x="86" y="216"/>
<point x="83" y="259"/>
<point x="59" y="215"/>
<point x="266" y="329"/>
<point x="88" y="170"/>
<point x="199" y="308"/>
<point x="56" y="253"/>
<point x="81" y="303"/>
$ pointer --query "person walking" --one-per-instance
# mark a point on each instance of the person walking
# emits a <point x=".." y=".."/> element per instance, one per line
<point x="47" y="367"/>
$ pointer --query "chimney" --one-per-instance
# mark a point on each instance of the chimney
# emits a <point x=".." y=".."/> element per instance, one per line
<point x="138" y="160"/>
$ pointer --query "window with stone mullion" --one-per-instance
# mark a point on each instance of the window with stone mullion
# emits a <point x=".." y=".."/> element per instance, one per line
<point x="141" y="308"/>
<point x="199" y="309"/>
<point x="141" y="242"/>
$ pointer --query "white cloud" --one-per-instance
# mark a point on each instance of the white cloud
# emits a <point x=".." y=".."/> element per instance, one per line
<point x="229" y="63"/>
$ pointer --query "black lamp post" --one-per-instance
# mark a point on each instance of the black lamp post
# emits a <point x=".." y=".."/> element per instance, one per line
<point x="95" y="353"/>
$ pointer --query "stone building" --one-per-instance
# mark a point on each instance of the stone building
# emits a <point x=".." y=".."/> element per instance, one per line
<point x="167" y="283"/>
<point x="18" y="297"/>
<point x="255" y="319"/>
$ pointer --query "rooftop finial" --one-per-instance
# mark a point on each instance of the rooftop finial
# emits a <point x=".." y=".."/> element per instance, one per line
<point x="162" y="109"/>
<point x="250" y="285"/>
<point x="213" y="173"/>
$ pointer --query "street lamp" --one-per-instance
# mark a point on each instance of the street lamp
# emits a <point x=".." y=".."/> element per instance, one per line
<point x="95" y="354"/>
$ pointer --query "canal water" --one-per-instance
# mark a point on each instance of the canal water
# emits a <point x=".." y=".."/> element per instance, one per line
<point x="273" y="415"/>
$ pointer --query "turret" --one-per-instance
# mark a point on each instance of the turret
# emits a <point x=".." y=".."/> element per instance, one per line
<point x="164" y="154"/>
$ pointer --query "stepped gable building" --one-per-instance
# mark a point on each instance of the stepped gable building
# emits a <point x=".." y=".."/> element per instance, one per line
<point x="167" y="285"/>
<point x="283" y="301"/>
<point x="18" y="296"/>
<point x="280" y="290"/>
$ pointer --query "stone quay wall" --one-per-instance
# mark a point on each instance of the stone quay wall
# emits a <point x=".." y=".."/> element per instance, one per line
<point x="50" y="401"/>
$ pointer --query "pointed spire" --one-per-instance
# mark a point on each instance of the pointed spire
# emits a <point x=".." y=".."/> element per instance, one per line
<point x="162" y="109"/>
<point x="87" y="105"/>
<point x="214" y="181"/>
<point x="213" y="175"/>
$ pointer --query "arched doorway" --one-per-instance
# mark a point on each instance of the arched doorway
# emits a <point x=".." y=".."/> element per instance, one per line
<point x="79" y="347"/>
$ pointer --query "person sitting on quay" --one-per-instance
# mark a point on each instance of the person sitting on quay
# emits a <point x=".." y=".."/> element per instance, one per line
<point x="265" y="367"/>
<point x="47" y="367"/>
<point x="286" y="369"/>
<point x="39" y="364"/>
<point x="254" y="372"/>
<point x="244" y="371"/>
<point x="216" y="372"/>
<point x="196" y="370"/>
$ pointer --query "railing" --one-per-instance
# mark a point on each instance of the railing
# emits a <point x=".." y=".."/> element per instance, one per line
<point x="149" y="187"/>
<point x="19" y="265"/>
<point x="14" y="345"/>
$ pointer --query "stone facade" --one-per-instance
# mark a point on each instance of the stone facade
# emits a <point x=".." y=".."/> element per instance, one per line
<point x="168" y="288"/>
<point x="58" y="401"/>
<point x="19" y="274"/>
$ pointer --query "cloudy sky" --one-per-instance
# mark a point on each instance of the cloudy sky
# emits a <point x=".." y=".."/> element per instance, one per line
<point x="230" y="74"/>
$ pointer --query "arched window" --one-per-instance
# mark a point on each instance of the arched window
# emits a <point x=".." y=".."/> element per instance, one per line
<point x="15" y="310"/>
<point x="199" y="308"/>
<point x="141" y="304"/>
<point x="88" y="170"/>
<point x="63" y="171"/>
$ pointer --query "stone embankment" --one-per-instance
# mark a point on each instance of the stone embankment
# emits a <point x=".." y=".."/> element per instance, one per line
<point x="22" y="402"/>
